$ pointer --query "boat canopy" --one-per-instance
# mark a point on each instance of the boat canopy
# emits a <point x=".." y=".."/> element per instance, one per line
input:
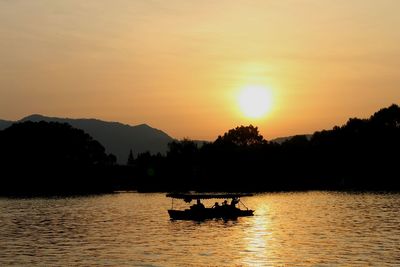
<point x="189" y="197"/>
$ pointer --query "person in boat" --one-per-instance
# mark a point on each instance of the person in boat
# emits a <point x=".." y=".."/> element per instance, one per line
<point x="198" y="205"/>
<point x="216" y="205"/>
<point x="234" y="201"/>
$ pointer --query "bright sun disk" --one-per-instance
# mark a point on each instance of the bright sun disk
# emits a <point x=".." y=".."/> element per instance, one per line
<point x="254" y="101"/>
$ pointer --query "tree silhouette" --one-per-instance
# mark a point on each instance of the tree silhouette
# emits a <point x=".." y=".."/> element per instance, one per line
<point x="241" y="136"/>
<point x="362" y="154"/>
<point x="131" y="160"/>
<point x="50" y="157"/>
<point x="184" y="148"/>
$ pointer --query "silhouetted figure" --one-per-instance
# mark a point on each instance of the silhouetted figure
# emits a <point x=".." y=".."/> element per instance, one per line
<point x="216" y="205"/>
<point x="234" y="201"/>
<point x="198" y="205"/>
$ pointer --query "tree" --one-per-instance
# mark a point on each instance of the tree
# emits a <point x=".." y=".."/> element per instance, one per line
<point x="242" y="136"/>
<point x="50" y="143"/>
<point x="52" y="158"/>
<point x="184" y="148"/>
<point x="131" y="160"/>
<point x="387" y="117"/>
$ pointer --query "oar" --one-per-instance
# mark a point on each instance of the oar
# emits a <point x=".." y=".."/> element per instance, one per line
<point x="243" y="204"/>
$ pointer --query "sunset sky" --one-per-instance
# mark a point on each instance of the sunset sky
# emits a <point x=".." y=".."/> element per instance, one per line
<point x="180" y="66"/>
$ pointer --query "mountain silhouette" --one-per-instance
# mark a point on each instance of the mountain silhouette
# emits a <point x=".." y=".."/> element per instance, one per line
<point x="5" y="124"/>
<point x="116" y="137"/>
<point x="281" y="140"/>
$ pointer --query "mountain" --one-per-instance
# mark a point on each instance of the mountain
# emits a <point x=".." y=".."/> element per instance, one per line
<point x="5" y="124"/>
<point x="116" y="137"/>
<point x="281" y="140"/>
<point x="119" y="138"/>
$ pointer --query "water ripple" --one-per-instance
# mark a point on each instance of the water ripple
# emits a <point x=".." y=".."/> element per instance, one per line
<point x="288" y="229"/>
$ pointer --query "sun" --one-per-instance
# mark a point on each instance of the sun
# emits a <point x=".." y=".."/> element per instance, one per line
<point x="255" y="101"/>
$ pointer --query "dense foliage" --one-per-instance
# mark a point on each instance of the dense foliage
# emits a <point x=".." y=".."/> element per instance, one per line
<point x="48" y="157"/>
<point x="363" y="154"/>
<point x="54" y="158"/>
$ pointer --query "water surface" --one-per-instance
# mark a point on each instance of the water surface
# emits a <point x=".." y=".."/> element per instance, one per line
<point x="130" y="229"/>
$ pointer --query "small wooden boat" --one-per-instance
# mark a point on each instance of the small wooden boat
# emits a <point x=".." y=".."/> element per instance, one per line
<point x="199" y="212"/>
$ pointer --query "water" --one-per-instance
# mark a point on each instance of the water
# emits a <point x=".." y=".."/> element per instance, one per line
<point x="130" y="229"/>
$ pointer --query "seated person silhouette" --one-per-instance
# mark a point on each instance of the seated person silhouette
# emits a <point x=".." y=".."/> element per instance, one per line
<point x="198" y="205"/>
<point x="216" y="205"/>
<point x="234" y="201"/>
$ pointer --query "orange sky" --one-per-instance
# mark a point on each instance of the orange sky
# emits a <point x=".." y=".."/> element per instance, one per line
<point x="178" y="65"/>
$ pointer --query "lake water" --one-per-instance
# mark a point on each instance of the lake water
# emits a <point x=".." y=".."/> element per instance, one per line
<point x="131" y="229"/>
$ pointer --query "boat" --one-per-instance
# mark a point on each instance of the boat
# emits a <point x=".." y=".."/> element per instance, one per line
<point x="199" y="212"/>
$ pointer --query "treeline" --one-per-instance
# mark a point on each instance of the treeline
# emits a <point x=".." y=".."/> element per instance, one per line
<point x="53" y="158"/>
<point x="363" y="154"/>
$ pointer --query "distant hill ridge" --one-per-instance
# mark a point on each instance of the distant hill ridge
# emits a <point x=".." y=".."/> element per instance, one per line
<point x="116" y="137"/>
<point x="281" y="140"/>
<point x="5" y="124"/>
<point x="119" y="138"/>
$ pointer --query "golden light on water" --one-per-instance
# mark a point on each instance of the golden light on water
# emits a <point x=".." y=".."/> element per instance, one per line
<point x="255" y="101"/>
<point x="261" y="234"/>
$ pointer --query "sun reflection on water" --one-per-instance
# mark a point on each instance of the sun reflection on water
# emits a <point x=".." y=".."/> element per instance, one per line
<point x="259" y="235"/>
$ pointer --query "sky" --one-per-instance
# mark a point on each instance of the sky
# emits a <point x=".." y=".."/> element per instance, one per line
<point x="180" y="65"/>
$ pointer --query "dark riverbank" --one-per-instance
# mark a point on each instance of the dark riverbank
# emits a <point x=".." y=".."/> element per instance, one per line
<point x="55" y="159"/>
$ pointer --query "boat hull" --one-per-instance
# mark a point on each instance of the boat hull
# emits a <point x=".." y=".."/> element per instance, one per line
<point x="208" y="213"/>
